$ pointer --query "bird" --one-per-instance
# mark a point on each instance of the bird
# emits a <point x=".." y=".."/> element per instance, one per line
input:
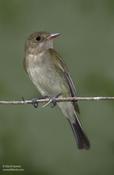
<point x="50" y="75"/>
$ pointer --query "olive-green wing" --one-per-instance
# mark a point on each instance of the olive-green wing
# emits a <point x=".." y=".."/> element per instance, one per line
<point x="59" y="61"/>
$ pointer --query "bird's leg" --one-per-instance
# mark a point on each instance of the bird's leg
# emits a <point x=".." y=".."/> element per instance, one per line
<point x="35" y="102"/>
<point x="52" y="101"/>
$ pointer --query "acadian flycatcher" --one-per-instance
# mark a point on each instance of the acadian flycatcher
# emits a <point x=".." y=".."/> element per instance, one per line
<point x="50" y="75"/>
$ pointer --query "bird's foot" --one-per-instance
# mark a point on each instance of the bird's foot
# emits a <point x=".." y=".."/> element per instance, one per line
<point x="52" y="101"/>
<point x="35" y="103"/>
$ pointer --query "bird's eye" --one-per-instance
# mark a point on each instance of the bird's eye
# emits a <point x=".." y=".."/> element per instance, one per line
<point x="38" y="38"/>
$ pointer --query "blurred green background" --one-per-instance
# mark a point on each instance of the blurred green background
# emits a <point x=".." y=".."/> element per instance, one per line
<point x="40" y="140"/>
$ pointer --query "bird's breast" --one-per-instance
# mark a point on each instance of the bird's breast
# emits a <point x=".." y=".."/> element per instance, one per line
<point x="42" y="72"/>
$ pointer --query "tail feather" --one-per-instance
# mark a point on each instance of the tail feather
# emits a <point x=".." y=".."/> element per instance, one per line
<point x="81" y="139"/>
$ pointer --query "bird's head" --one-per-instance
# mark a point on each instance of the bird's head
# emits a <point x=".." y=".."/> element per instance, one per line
<point x="40" y="41"/>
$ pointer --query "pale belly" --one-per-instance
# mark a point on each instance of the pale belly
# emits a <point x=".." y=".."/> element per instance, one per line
<point x="47" y="80"/>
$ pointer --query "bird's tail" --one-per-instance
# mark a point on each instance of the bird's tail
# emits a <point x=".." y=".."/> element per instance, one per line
<point x="71" y="115"/>
<point x="80" y="137"/>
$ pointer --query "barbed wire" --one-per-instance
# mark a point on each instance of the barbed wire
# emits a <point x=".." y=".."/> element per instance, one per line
<point x="49" y="100"/>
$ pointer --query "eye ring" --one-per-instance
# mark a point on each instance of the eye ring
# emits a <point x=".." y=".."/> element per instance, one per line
<point x="38" y="38"/>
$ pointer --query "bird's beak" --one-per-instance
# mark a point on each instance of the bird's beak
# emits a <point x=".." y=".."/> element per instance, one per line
<point x="53" y="36"/>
